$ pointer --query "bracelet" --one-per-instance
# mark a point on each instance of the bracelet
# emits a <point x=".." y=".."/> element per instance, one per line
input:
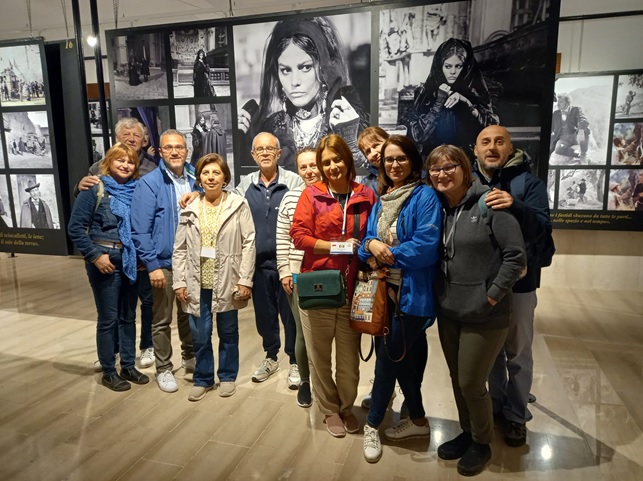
<point x="367" y="244"/>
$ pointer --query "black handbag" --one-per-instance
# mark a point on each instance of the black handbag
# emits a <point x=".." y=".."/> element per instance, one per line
<point x="321" y="289"/>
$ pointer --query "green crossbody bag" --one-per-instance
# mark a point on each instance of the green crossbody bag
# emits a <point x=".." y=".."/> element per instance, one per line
<point x="321" y="289"/>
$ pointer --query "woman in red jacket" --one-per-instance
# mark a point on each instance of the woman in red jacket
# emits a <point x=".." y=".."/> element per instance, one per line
<point x="327" y="214"/>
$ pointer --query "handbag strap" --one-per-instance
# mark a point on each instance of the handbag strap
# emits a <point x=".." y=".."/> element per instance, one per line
<point x="370" y="351"/>
<point x="397" y="315"/>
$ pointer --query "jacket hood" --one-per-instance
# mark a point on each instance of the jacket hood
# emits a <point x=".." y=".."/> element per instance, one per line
<point x="516" y="164"/>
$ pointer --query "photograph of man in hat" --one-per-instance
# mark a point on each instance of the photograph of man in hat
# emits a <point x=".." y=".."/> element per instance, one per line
<point x="35" y="212"/>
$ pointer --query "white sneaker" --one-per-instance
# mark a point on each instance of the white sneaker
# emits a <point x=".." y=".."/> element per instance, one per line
<point x="293" y="377"/>
<point x="407" y="429"/>
<point x="372" y="445"/>
<point x="147" y="358"/>
<point x="189" y="364"/>
<point x="266" y="369"/>
<point x="167" y="382"/>
<point x="227" y="388"/>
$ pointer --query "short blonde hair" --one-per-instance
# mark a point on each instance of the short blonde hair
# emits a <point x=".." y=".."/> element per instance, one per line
<point x="118" y="151"/>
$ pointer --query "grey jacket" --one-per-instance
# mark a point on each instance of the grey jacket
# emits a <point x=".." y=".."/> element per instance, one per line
<point x="485" y="255"/>
<point x="235" y="254"/>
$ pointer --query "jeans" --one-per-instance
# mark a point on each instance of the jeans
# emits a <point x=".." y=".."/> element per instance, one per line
<point x="406" y="331"/>
<point x="147" y="301"/>
<point x="115" y="299"/>
<point x="512" y="374"/>
<point x="273" y="301"/>
<point x="228" y="332"/>
<point x="300" y="343"/>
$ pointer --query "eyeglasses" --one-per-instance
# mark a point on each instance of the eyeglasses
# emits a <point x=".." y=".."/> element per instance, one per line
<point x="447" y="169"/>
<point x="401" y="160"/>
<point x="170" y="148"/>
<point x="269" y="149"/>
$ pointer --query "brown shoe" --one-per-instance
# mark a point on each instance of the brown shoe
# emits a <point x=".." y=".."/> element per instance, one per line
<point x="350" y="422"/>
<point x="335" y="425"/>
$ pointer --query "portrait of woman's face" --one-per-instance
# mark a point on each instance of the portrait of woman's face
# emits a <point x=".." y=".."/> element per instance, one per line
<point x="122" y="169"/>
<point x="334" y="167"/>
<point x="201" y="120"/>
<point x="201" y="55"/>
<point x="451" y="68"/>
<point x="444" y="182"/>
<point x="297" y="76"/>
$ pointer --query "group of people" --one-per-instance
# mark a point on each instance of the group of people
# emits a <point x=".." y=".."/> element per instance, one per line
<point x="23" y="91"/>
<point x="458" y="246"/>
<point x="29" y="146"/>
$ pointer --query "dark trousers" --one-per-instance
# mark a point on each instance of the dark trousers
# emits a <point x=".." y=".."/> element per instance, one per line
<point x="270" y="302"/>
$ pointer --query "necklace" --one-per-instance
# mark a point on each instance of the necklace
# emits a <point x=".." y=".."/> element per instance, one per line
<point x="306" y="136"/>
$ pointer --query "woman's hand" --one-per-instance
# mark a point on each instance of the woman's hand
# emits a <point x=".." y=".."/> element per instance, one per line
<point x="187" y="199"/>
<point x="455" y="98"/>
<point x="103" y="264"/>
<point x="356" y="243"/>
<point x="181" y="294"/>
<point x="372" y="263"/>
<point x="381" y="252"/>
<point x="243" y="120"/>
<point x="244" y="292"/>
<point x="288" y="284"/>
<point x="342" y="112"/>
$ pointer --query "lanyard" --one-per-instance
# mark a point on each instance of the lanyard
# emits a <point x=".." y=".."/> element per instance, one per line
<point x="447" y="237"/>
<point x="330" y="191"/>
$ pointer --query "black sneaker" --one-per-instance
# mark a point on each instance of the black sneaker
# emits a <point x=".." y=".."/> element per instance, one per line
<point x="515" y="434"/>
<point x="304" y="397"/>
<point x="115" y="383"/>
<point x="474" y="460"/>
<point x="455" y="448"/>
<point x="134" y="375"/>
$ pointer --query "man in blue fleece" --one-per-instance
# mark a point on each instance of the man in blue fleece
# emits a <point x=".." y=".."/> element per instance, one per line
<point x="155" y="211"/>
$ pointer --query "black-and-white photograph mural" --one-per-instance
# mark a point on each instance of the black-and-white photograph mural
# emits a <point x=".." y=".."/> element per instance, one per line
<point x="34" y="198"/>
<point x="28" y="141"/>
<point x="21" y="79"/>
<point x="302" y="78"/>
<point x="3" y="162"/>
<point x="448" y="70"/>
<point x="580" y="121"/>
<point x="98" y="148"/>
<point x="629" y="96"/>
<point x="627" y="143"/>
<point x="138" y="66"/>
<point x="581" y="189"/>
<point x="6" y="221"/>
<point x="95" y="117"/>
<point x="207" y="129"/>
<point x="155" y="120"/>
<point x="625" y="190"/>
<point x="200" y="62"/>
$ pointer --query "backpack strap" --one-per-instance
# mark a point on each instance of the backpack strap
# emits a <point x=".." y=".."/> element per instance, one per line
<point x="100" y="193"/>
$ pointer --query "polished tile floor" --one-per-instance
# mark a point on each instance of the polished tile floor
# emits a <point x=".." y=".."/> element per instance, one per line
<point x="58" y="423"/>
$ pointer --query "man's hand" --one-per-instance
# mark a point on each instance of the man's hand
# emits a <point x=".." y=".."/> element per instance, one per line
<point x="157" y="279"/>
<point x="103" y="264"/>
<point x="187" y="199"/>
<point x="499" y="199"/>
<point x="88" y="182"/>
<point x="287" y="284"/>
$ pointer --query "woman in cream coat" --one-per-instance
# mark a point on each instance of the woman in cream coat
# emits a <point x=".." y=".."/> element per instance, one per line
<point x="213" y="265"/>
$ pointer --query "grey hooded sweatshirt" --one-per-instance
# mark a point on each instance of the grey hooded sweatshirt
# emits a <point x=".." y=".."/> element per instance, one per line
<point x="484" y="257"/>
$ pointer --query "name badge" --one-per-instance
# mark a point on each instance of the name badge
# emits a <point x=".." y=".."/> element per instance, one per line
<point x="208" y="252"/>
<point x="341" y="247"/>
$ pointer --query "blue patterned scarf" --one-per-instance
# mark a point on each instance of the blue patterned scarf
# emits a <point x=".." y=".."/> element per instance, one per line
<point x="120" y="205"/>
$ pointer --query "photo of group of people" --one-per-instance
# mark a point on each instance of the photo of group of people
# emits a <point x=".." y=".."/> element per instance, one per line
<point x="597" y="120"/>
<point x="21" y="79"/>
<point x="28" y="140"/>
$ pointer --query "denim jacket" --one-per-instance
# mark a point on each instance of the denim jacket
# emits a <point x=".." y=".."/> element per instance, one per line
<point x="85" y="225"/>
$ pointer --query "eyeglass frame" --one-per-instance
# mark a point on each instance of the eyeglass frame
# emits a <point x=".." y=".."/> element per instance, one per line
<point x="447" y="169"/>
<point x="400" y="159"/>
<point x="170" y="148"/>
<point x="270" y="149"/>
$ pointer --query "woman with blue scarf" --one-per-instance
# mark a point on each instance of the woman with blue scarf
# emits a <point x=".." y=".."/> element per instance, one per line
<point x="100" y="229"/>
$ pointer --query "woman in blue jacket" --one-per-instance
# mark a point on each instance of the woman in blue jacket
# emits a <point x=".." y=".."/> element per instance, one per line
<point x="404" y="235"/>
<point x="100" y="229"/>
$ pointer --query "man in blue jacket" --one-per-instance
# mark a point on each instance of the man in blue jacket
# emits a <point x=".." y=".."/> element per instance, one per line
<point x="264" y="190"/>
<point x="514" y="188"/>
<point x="155" y="210"/>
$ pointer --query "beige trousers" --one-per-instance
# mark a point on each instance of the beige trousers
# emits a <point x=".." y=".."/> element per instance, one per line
<point x="333" y="395"/>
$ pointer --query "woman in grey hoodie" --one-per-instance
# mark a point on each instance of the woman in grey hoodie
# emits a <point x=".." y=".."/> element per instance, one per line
<point x="483" y="256"/>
